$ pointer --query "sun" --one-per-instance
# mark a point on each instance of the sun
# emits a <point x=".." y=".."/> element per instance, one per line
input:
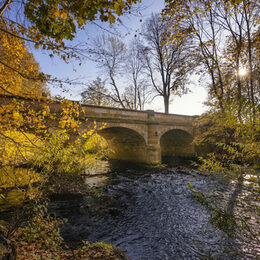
<point x="242" y="72"/>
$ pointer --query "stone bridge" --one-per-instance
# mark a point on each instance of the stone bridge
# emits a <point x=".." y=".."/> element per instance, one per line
<point x="141" y="136"/>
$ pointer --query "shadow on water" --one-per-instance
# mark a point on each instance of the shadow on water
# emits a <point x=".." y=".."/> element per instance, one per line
<point x="179" y="161"/>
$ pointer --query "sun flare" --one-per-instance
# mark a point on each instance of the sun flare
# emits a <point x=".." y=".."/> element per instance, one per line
<point x="242" y="72"/>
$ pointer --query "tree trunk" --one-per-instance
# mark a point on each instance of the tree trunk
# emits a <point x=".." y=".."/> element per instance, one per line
<point x="166" y="104"/>
<point x="249" y="50"/>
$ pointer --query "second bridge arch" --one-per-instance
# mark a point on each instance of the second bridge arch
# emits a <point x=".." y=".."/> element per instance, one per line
<point x="176" y="143"/>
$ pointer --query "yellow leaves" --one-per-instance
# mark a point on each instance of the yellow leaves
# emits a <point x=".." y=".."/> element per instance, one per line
<point x="60" y="14"/>
<point x="68" y="122"/>
<point x="17" y="177"/>
<point x="87" y="133"/>
<point x="103" y="126"/>
<point x="17" y="116"/>
<point x="111" y="18"/>
<point x="16" y="147"/>
<point x="95" y="144"/>
<point x="55" y="153"/>
<point x="70" y="115"/>
<point x="118" y="8"/>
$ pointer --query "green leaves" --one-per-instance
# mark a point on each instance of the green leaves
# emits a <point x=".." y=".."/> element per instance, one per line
<point x="59" y="19"/>
<point x="237" y="146"/>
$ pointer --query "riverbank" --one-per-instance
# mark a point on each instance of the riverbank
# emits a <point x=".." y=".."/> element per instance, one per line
<point x="39" y="237"/>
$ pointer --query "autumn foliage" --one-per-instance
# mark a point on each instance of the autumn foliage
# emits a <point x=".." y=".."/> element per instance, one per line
<point x="19" y="72"/>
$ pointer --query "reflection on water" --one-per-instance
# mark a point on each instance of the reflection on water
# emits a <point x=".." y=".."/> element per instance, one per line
<point x="95" y="176"/>
<point x="12" y="198"/>
<point x="14" y="184"/>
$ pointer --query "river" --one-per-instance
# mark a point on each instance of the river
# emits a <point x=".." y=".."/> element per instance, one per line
<point x="152" y="214"/>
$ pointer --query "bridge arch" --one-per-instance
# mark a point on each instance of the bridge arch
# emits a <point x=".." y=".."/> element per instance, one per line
<point x="164" y="130"/>
<point x="176" y="143"/>
<point x="125" y="143"/>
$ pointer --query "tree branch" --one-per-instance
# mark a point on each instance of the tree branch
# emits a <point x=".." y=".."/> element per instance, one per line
<point x="2" y="9"/>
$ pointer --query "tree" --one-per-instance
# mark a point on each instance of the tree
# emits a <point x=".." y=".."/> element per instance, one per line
<point x="123" y="70"/>
<point x="225" y="35"/>
<point x="97" y="94"/>
<point x="24" y="135"/>
<point x="140" y="87"/>
<point x="164" y="59"/>
<point x="199" y="24"/>
<point x="19" y="72"/>
<point x="223" y="58"/>
<point x="238" y="20"/>
<point x="109" y="53"/>
<point x="47" y="24"/>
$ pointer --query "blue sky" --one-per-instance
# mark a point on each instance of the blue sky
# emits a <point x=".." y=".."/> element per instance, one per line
<point x="189" y="104"/>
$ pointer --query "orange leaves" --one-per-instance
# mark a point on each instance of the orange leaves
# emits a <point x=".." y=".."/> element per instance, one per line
<point x="32" y="244"/>
<point x="39" y="240"/>
<point x="19" y="72"/>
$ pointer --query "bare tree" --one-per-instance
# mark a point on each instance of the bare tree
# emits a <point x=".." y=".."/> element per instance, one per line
<point x="140" y="88"/>
<point x="123" y="70"/>
<point x="109" y="53"/>
<point x="165" y="60"/>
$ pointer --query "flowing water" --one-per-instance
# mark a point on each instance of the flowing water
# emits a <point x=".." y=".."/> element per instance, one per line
<point x="152" y="214"/>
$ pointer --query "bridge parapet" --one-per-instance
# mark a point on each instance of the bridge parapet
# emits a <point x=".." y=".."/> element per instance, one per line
<point x="142" y="116"/>
<point x="100" y="113"/>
